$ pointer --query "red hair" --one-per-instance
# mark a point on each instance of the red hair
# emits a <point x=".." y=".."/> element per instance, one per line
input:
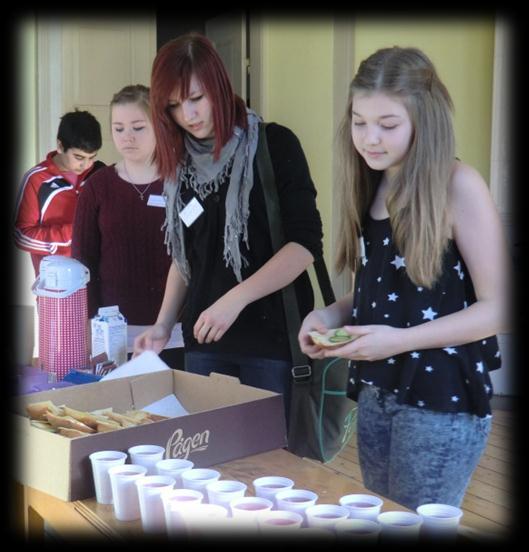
<point x="174" y="65"/>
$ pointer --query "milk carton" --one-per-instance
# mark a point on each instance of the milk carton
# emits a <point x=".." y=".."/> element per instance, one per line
<point x="109" y="334"/>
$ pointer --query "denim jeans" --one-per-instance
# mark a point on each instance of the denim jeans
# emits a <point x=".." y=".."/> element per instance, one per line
<point x="415" y="456"/>
<point x="265" y="373"/>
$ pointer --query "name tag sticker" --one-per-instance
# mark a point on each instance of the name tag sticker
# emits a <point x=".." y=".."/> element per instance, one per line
<point x="156" y="200"/>
<point x="191" y="212"/>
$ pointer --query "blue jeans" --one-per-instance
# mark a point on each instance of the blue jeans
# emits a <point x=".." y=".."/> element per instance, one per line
<point x="265" y="373"/>
<point x="415" y="456"/>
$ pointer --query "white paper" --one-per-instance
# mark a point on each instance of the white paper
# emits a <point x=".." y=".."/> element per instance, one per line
<point x="146" y="363"/>
<point x="191" y="212"/>
<point x="175" y="341"/>
<point x="156" y="200"/>
<point x="167" y="406"/>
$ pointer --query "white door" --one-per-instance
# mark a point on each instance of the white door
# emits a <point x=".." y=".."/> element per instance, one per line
<point x="228" y="34"/>
<point x="98" y="56"/>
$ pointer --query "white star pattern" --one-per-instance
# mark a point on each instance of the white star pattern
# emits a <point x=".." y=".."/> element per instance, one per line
<point x="460" y="273"/>
<point x="388" y="282"/>
<point x="399" y="262"/>
<point x="428" y="314"/>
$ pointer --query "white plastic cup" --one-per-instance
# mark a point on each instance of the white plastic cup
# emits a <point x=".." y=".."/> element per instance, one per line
<point x="362" y="506"/>
<point x="152" y="512"/>
<point x="101" y="462"/>
<point x="325" y="515"/>
<point x="269" y="486"/>
<point x="174" y="468"/>
<point x="124" y="491"/>
<point x="247" y="509"/>
<point x="224" y="491"/>
<point x="204" y="519"/>
<point x="198" y="478"/>
<point x="274" y="521"/>
<point x="146" y="455"/>
<point x="296" y="500"/>
<point x="358" y="530"/>
<point x="440" y="520"/>
<point x="397" y="525"/>
<point x="174" y="502"/>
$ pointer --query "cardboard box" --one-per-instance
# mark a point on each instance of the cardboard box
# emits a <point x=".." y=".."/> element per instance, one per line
<point x="226" y="420"/>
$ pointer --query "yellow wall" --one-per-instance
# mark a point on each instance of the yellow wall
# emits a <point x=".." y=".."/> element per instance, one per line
<point x="297" y="71"/>
<point x="297" y="58"/>
<point x="462" y="51"/>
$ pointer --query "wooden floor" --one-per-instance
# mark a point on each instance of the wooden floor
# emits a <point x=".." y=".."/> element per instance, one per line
<point x="489" y="502"/>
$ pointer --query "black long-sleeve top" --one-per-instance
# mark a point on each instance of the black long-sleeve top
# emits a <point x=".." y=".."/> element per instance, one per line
<point x="260" y="329"/>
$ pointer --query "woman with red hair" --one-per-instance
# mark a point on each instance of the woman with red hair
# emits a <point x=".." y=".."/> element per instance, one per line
<point x="225" y="280"/>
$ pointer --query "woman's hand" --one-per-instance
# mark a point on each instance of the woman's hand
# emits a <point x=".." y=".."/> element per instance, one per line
<point x="318" y="321"/>
<point x="372" y="342"/>
<point x="154" y="339"/>
<point x="216" y="320"/>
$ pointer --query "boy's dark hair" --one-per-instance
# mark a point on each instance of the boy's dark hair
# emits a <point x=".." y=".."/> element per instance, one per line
<point x="80" y="129"/>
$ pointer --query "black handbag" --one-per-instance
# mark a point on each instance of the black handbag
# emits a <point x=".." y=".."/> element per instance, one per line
<point x="321" y="415"/>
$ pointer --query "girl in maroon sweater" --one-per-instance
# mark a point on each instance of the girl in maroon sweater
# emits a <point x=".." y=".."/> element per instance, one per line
<point x="117" y="228"/>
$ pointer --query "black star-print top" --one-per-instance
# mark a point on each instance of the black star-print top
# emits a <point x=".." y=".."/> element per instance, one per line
<point x="451" y="379"/>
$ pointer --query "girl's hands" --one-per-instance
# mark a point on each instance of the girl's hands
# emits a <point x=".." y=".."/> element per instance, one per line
<point x="372" y="342"/>
<point x="154" y="339"/>
<point x="216" y="320"/>
<point x="314" y="321"/>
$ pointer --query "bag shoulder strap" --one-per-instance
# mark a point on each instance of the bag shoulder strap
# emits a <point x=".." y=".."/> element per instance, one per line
<point x="273" y="211"/>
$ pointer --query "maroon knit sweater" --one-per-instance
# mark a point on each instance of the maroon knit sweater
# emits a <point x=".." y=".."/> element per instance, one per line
<point x="118" y="237"/>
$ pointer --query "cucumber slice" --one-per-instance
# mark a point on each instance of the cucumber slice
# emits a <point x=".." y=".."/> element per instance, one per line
<point x="339" y="338"/>
<point x="340" y="332"/>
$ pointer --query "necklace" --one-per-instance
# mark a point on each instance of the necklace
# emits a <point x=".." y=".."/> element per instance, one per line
<point x="141" y="193"/>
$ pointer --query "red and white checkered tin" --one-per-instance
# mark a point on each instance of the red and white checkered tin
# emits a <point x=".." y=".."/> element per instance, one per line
<point x="63" y="315"/>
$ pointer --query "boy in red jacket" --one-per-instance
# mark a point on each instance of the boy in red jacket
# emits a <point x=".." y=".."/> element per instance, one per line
<point x="49" y="191"/>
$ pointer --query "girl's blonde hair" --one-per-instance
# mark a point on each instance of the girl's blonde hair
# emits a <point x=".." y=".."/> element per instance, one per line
<point x="133" y="93"/>
<point x="418" y="200"/>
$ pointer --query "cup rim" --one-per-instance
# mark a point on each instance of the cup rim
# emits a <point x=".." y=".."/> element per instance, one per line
<point x="252" y="500"/>
<point x="318" y="507"/>
<point x="127" y="468"/>
<point x="168" y="461"/>
<point x="270" y="479"/>
<point x="120" y="455"/>
<point x="274" y="514"/>
<point x="297" y="492"/>
<point x="454" y="512"/>
<point x="137" y="448"/>
<point x="359" y="522"/>
<point x="214" y="484"/>
<point x="191" y="473"/>
<point x="346" y="500"/>
<point x="167" y="479"/>
<point x="415" y="518"/>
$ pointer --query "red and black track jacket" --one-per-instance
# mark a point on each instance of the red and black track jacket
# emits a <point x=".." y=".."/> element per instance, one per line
<point x="45" y="210"/>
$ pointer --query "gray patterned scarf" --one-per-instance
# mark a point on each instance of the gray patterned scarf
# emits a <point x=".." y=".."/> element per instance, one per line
<point x="204" y="175"/>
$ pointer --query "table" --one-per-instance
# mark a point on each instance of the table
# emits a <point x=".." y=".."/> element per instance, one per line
<point x="87" y="518"/>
